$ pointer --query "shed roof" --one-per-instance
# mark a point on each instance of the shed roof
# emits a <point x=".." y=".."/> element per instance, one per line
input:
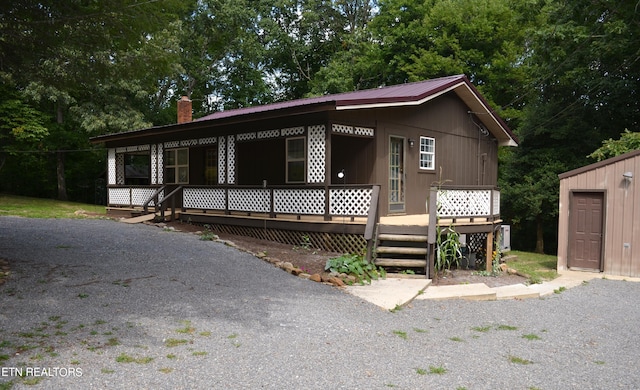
<point x="599" y="164"/>
<point x="409" y="94"/>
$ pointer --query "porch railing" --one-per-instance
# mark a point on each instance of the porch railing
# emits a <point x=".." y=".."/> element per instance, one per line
<point x="467" y="202"/>
<point x="132" y="196"/>
<point x="351" y="200"/>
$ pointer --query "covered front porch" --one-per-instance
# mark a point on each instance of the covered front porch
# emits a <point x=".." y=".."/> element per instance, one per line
<point x="337" y="218"/>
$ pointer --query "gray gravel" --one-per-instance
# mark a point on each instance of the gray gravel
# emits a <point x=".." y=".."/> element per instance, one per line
<point x="106" y="299"/>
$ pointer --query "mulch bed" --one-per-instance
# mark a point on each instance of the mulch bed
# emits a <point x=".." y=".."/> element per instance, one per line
<point x="312" y="261"/>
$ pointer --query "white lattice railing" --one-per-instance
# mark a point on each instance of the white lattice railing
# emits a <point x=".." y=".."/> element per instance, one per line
<point x="468" y="202"/>
<point x="134" y="196"/>
<point x="309" y="200"/>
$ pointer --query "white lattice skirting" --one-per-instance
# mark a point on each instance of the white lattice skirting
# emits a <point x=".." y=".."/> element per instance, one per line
<point x="348" y="201"/>
<point x="466" y="203"/>
<point x="205" y="198"/>
<point x="132" y="196"/>
<point x="310" y="202"/>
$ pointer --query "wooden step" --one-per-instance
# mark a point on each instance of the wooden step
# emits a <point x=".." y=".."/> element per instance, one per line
<point x="402" y="250"/>
<point x="141" y="218"/>
<point x="402" y="237"/>
<point x="395" y="229"/>
<point x="401" y="263"/>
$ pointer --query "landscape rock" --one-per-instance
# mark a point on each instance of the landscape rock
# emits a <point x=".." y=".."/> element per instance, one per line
<point x="336" y="281"/>
<point x="315" y="278"/>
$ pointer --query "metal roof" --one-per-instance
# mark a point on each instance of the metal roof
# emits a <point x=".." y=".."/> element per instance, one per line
<point x="599" y="164"/>
<point x="409" y="94"/>
<point x="403" y="93"/>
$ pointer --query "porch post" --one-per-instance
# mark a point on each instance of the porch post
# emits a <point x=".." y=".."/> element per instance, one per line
<point x="327" y="170"/>
<point x="431" y="233"/>
<point x="489" y="254"/>
<point x="111" y="166"/>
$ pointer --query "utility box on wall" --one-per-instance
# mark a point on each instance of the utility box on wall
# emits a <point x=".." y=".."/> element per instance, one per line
<point x="505" y="238"/>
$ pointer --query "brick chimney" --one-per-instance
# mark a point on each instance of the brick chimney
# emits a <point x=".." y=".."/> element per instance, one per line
<point x="184" y="110"/>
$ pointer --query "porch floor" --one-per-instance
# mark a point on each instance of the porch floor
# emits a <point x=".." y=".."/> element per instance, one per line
<point x="423" y="220"/>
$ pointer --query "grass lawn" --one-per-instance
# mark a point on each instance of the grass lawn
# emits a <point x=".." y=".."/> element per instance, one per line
<point x="46" y="208"/>
<point x="536" y="266"/>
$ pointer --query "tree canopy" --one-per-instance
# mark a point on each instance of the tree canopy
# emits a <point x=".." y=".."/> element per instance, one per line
<point x="564" y="75"/>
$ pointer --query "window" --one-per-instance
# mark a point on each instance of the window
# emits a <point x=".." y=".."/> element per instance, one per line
<point x="427" y="153"/>
<point x="137" y="168"/>
<point x="176" y="163"/>
<point x="296" y="160"/>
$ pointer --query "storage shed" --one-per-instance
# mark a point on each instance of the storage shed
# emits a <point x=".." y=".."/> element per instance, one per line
<point x="599" y="217"/>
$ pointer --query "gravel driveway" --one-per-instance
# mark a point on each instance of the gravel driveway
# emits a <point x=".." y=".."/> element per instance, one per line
<point x="100" y="304"/>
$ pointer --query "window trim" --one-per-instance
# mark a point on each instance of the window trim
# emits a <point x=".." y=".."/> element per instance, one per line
<point x="425" y="153"/>
<point x="302" y="159"/>
<point x="176" y="166"/>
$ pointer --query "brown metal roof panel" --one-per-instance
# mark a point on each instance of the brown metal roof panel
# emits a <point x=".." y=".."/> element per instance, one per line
<point x="393" y="94"/>
<point x="267" y="107"/>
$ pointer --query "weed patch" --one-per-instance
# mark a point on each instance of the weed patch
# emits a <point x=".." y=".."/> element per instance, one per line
<point x="519" y="360"/>
<point x="175" y="342"/>
<point x="124" y="358"/>
<point x="401" y="334"/>
<point x="437" y="370"/>
<point x="187" y="329"/>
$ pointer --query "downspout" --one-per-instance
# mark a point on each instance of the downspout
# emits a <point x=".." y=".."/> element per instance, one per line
<point x="480" y="171"/>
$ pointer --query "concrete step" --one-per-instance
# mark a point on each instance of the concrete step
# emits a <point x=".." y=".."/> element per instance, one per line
<point x="472" y="292"/>
<point x="402" y="250"/>
<point x="516" y="291"/>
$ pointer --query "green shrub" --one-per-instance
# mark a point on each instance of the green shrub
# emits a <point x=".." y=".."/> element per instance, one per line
<point x="355" y="265"/>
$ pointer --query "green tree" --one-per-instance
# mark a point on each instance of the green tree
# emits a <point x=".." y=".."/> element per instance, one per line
<point x="22" y="127"/>
<point x="584" y="60"/>
<point x="89" y="66"/>
<point x="627" y="142"/>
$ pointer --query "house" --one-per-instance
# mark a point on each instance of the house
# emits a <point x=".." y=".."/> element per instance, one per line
<point x="324" y="168"/>
<point x="599" y="217"/>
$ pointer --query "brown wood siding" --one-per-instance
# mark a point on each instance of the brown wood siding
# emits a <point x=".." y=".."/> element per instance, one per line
<point x="356" y="155"/>
<point x="196" y="165"/>
<point x="459" y="147"/>
<point x="261" y="160"/>
<point x="621" y="252"/>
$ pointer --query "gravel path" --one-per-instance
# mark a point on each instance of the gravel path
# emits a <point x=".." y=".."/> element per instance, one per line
<point x="134" y="306"/>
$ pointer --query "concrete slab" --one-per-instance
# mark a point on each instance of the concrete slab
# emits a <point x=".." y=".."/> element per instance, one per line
<point x="568" y="279"/>
<point x="394" y="292"/>
<point x="516" y="291"/>
<point x="389" y="293"/>
<point x="473" y="292"/>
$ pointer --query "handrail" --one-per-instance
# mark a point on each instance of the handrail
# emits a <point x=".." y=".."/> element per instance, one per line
<point x="372" y="218"/>
<point x="154" y="197"/>
<point x="372" y="222"/>
<point x="173" y="203"/>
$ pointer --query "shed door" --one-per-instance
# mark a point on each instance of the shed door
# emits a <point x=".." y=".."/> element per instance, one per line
<point x="585" y="230"/>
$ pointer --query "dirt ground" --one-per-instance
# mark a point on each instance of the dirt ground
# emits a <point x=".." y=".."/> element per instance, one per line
<point x="312" y="261"/>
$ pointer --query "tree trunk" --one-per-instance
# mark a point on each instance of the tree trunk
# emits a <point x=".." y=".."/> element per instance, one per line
<point x="539" y="235"/>
<point x="62" y="184"/>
